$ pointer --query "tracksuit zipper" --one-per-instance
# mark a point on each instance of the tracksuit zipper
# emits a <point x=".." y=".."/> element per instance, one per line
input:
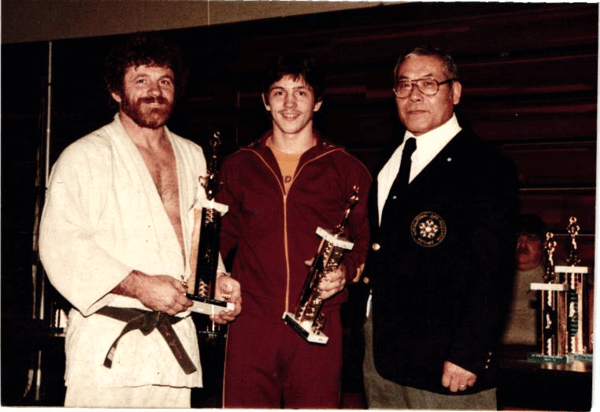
<point x="285" y="230"/>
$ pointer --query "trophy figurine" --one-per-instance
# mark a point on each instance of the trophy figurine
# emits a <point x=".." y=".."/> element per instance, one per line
<point x="204" y="257"/>
<point x="307" y="319"/>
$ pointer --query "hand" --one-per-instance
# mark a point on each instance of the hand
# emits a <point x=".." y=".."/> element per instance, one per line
<point x="359" y="272"/>
<point x="456" y="378"/>
<point x="160" y="293"/>
<point x="227" y="289"/>
<point x="332" y="282"/>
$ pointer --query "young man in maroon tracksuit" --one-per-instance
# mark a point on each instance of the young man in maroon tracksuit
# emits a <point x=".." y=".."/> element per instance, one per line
<point x="279" y="190"/>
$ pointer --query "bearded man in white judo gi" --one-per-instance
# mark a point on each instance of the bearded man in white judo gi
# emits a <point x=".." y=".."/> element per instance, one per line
<point x="116" y="239"/>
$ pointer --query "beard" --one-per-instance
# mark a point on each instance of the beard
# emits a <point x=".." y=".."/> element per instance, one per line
<point x="144" y="116"/>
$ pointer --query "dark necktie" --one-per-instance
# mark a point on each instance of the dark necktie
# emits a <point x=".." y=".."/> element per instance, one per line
<point x="401" y="181"/>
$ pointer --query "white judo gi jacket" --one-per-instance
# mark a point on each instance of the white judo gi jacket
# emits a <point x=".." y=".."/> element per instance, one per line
<point x="102" y="219"/>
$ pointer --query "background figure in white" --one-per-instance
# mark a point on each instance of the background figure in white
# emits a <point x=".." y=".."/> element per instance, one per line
<point x="521" y="327"/>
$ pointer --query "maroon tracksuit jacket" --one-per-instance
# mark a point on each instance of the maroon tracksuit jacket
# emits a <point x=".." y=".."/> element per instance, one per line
<point x="273" y="234"/>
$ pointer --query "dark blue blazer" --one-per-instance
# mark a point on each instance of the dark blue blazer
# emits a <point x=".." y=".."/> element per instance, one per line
<point x="443" y="266"/>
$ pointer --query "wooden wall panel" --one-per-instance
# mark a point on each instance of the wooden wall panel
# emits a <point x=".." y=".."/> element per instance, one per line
<point x="559" y="165"/>
<point x="557" y="206"/>
<point x="575" y="122"/>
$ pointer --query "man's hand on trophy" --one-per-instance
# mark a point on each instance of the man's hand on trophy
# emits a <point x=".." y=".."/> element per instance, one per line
<point x="333" y="282"/>
<point x="227" y="289"/>
<point x="161" y="293"/>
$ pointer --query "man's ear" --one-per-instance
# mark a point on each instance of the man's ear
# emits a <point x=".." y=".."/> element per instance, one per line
<point x="456" y="92"/>
<point x="116" y="96"/>
<point x="318" y="105"/>
<point x="265" y="102"/>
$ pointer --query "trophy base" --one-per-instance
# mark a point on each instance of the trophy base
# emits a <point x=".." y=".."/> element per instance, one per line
<point x="305" y="331"/>
<point x="584" y="357"/>
<point x="208" y="306"/>
<point x="538" y="357"/>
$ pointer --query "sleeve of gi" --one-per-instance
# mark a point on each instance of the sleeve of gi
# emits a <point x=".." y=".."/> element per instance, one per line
<point x="82" y="271"/>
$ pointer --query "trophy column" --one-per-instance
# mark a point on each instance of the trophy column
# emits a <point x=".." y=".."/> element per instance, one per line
<point x="552" y="310"/>
<point x="566" y="334"/>
<point x="307" y="319"/>
<point x="204" y="259"/>
<point x="204" y="263"/>
<point x="573" y="275"/>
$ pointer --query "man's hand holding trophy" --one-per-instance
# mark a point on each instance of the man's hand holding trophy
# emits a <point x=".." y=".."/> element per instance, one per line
<point x="213" y="293"/>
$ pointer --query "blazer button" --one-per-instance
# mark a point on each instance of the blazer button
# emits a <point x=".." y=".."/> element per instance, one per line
<point x="376" y="247"/>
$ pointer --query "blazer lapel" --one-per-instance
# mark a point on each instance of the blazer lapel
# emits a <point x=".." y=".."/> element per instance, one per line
<point x="373" y="193"/>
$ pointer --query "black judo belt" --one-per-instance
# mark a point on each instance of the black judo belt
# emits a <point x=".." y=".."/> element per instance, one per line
<point x="146" y="321"/>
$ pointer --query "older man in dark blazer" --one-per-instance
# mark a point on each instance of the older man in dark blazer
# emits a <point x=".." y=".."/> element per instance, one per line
<point x="443" y="244"/>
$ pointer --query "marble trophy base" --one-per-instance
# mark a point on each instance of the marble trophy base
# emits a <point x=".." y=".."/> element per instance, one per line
<point x="538" y="357"/>
<point x="584" y="357"/>
<point x="208" y="306"/>
<point x="304" y="329"/>
<point x="568" y="358"/>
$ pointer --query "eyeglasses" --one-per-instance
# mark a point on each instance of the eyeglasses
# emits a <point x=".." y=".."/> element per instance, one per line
<point x="429" y="87"/>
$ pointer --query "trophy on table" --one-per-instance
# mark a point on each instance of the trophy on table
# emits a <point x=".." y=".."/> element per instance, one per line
<point x="204" y="257"/>
<point x="307" y="319"/>
<point x="552" y="309"/>
<point x="573" y="276"/>
<point x="564" y="305"/>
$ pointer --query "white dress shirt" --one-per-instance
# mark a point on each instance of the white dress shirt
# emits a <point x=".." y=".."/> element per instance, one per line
<point x="428" y="146"/>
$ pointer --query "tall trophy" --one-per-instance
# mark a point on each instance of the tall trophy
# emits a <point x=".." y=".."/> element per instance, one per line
<point x="204" y="257"/>
<point x="552" y="310"/>
<point x="307" y="319"/>
<point x="565" y="305"/>
<point x="573" y="276"/>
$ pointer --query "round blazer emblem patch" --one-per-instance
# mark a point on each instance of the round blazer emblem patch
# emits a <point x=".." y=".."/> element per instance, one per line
<point x="428" y="229"/>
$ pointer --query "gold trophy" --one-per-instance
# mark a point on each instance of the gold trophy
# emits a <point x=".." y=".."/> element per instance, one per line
<point x="204" y="257"/>
<point x="564" y="305"/>
<point x="552" y="310"/>
<point x="573" y="276"/>
<point x="307" y="319"/>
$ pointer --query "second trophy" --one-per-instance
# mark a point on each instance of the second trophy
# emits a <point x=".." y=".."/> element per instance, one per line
<point x="207" y="222"/>
<point x="308" y="319"/>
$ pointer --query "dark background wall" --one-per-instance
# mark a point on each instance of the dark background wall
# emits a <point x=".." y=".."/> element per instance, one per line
<point x="529" y="74"/>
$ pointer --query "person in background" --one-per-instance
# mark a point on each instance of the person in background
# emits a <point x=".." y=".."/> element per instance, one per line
<point x="115" y="240"/>
<point x="279" y="190"/>
<point x="522" y="321"/>
<point x="443" y="217"/>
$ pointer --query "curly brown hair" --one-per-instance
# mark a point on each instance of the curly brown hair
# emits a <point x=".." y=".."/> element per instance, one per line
<point x="144" y="49"/>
